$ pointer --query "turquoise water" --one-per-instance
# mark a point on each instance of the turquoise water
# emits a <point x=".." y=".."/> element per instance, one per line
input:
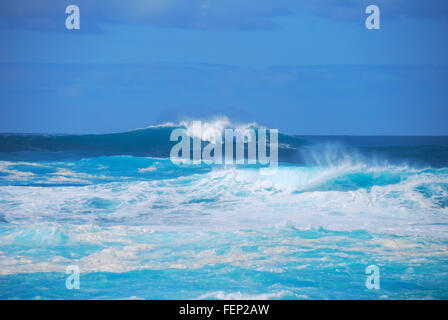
<point x="140" y="227"/>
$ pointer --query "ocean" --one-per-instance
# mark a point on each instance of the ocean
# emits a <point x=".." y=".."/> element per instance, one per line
<point x="141" y="227"/>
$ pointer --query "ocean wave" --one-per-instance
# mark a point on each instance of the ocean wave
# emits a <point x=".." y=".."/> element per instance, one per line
<point x="399" y="200"/>
<point x="213" y="129"/>
<point x="119" y="209"/>
<point x="154" y="141"/>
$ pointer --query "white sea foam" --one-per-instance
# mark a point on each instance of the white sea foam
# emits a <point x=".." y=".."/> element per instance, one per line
<point x="231" y="199"/>
<point x="221" y="295"/>
<point x="211" y="128"/>
<point x="214" y="128"/>
<point x="122" y="249"/>
<point x="148" y="169"/>
<point x="118" y="222"/>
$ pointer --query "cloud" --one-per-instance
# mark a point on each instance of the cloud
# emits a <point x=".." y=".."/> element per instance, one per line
<point x="49" y="15"/>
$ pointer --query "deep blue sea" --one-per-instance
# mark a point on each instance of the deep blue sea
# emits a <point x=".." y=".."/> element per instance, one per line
<point x="140" y="227"/>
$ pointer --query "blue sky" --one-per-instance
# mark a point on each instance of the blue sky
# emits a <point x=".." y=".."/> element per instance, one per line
<point x="304" y="67"/>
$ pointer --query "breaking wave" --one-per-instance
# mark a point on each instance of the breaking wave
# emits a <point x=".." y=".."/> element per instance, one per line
<point x="117" y="207"/>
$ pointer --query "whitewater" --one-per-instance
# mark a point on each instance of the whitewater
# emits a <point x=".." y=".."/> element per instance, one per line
<point x="140" y="227"/>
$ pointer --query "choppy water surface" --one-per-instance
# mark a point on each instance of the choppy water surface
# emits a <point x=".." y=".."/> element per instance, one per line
<point x="139" y="226"/>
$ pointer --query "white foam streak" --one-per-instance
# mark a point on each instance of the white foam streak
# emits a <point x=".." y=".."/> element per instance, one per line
<point x="213" y="129"/>
<point x="221" y="295"/>
<point x="233" y="199"/>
